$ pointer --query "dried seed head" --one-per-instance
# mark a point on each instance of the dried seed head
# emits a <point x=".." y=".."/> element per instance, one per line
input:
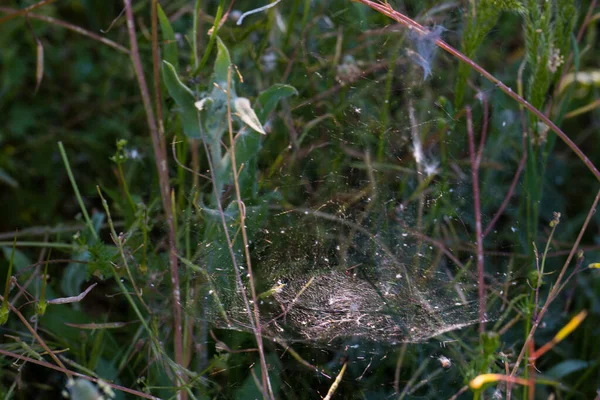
<point x="556" y="220"/>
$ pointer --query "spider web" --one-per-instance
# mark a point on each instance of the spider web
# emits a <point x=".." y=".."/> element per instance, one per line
<point x="357" y="269"/>
<point x="339" y="239"/>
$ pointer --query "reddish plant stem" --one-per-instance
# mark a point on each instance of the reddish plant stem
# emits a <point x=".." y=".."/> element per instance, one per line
<point x="477" y="210"/>
<point x="387" y="10"/>
<point x="160" y="155"/>
<point x="509" y="195"/>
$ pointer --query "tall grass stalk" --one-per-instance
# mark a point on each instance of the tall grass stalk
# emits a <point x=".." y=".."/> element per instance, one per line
<point x="242" y="210"/>
<point x="160" y="156"/>
<point x="475" y="162"/>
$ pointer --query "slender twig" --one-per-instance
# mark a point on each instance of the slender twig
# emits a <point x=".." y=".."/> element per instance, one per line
<point x="477" y="211"/>
<point x="555" y="288"/>
<point x="161" y="164"/>
<point x="25" y="10"/>
<point x="386" y="9"/>
<point x="73" y="28"/>
<point x="242" y="209"/>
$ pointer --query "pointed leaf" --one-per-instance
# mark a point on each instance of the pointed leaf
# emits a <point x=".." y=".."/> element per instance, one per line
<point x="168" y="36"/>
<point x="269" y="98"/>
<point x="247" y="114"/>
<point x="184" y="98"/>
<point x="222" y="64"/>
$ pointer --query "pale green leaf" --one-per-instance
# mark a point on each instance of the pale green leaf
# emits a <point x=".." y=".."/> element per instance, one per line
<point x="168" y="36"/>
<point x="184" y="98"/>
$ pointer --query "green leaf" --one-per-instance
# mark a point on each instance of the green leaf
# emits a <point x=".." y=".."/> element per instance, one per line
<point x="222" y="64"/>
<point x="169" y="42"/>
<point x="566" y="368"/>
<point x="184" y="98"/>
<point x="269" y="98"/>
<point x="249" y="390"/>
<point x="20" y="261"/>
<point x="247" y="114"/>
<point x="74" y="275"/>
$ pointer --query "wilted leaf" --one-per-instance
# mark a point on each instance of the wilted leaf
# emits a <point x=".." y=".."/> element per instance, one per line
<point x="72" y="299"/>
<point x="246" y="113"/>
